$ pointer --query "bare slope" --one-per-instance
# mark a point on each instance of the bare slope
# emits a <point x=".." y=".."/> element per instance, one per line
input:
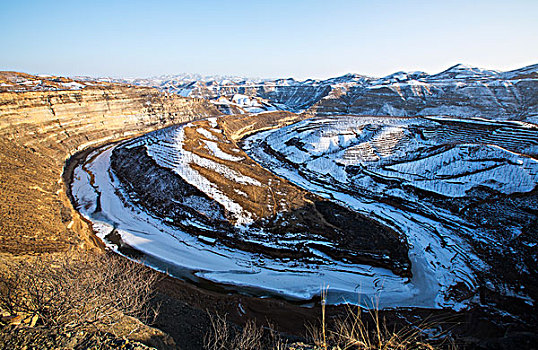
<point x="43" y="122"/>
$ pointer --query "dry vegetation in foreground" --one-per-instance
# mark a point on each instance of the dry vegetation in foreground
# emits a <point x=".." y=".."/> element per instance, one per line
<point x="46" y="300"/>
<point x="367" y="331"/>
<point x="224" y="336"/>
<point x="79" y="301"/>
<point x="355" y="331"/>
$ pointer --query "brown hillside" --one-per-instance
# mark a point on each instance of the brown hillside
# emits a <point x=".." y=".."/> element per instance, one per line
<point x="41" y="126"/>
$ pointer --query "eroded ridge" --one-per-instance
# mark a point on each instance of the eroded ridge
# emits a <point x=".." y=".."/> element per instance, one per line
<point x="196" y="178"/>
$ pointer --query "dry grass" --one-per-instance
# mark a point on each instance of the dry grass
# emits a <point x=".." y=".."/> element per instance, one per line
<point x="357" y="330"/>
<point x="82" y="292"/>
<point x="225" y="336"/>
<point x="367" y="331"/>
<point x="354" y="333"/>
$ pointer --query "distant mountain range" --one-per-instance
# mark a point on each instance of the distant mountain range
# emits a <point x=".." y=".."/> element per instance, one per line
<point x="461" y="91"/>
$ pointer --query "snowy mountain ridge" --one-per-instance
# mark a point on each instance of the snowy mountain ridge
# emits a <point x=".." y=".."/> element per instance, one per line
<point x="459" y="91"/>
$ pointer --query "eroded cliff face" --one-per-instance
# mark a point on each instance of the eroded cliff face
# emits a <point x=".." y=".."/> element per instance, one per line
<point x="44" y="121"/>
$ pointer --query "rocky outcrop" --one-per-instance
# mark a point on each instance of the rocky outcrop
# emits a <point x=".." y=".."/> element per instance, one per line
<point x="43" y="122"/>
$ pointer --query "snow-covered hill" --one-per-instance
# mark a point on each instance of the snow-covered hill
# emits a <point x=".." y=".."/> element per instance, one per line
<point x="438" y="179"/>
<point x="460" y="91"/>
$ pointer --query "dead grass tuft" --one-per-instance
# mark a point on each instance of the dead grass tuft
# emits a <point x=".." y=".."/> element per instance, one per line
<point x="360" y="330"/>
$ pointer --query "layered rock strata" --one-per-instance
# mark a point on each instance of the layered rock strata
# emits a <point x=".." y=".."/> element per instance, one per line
<point x="44" y="121"/>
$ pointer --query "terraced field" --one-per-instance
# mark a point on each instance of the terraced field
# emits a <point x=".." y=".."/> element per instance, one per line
<point x="462" y="191"/>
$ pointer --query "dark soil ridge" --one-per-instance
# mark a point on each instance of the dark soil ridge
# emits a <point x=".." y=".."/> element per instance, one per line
<point x="357" y="239"/>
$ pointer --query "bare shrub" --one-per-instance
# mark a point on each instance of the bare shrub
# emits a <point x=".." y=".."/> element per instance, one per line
<point x="223" y="337"/>
<point x="276" y="340"/>
<point x="77" y="291"/>
<point x="219" y="334"/>
<point x="250" y="337"/>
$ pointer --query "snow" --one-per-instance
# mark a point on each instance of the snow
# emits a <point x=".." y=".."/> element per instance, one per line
<point x="73" y="85"/>
<point x="167" y="150"/>
<point x="217" y="152"/>
<point x="187" y="256"/>
<point x="248" y="104"/>
<point x="448" y="157"/>
<point x="461" y="111"/>
<point x="212" y="122"/>
<point x="243" y="100"/>
<point x="459" y="169"/>
<point x="207" y="240"/>
<point x="206" y="133"/>
<point x="387" y="148"/>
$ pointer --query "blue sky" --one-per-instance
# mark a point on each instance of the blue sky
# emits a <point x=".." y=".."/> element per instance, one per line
<point x="300" y="39"/>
